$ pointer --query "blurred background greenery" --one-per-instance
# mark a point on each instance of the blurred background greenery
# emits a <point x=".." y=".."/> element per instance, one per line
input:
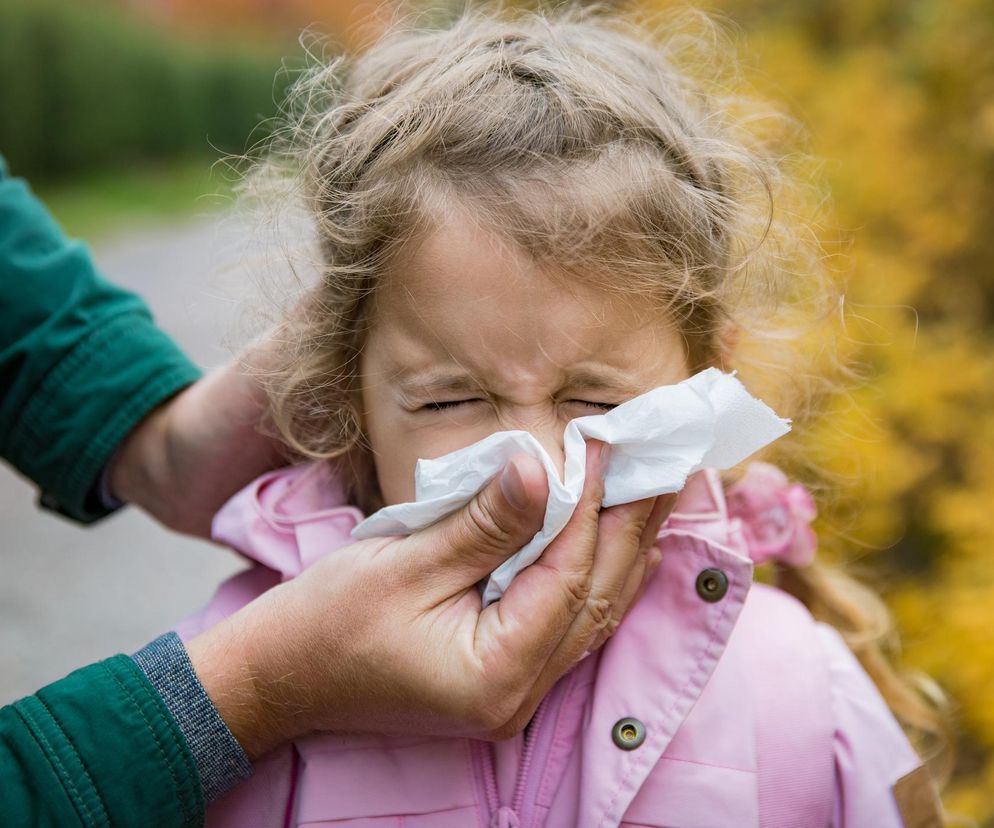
<point x="85" y="87"/>
<point x="117" y="109"/>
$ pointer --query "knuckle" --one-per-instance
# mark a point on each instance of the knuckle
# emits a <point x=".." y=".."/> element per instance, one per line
<point x="489" y="706"/>
<point x="606" y="634"/>
<point x="513" y="726"/>
<point x="630" y="532"/>
<point x="484" y="523"/>
<point x="502" y="733"/>
<point x="611" y="627"/>
<point x="626" y="521"/>
<point x="494" y="718"/>
<point x="488" y="721"/>
<point x="635" y="526"/>
<point x="577" y="586"/>
<point x="600" y="610"/>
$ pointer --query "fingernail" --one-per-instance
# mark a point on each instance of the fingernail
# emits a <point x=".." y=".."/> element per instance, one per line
<point x="513" y="487"/>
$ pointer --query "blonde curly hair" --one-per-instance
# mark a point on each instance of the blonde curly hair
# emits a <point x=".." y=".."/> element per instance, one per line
<point x="618" y="151"/>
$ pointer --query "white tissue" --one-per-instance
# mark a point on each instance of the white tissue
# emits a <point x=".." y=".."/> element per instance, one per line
<point x="657" y="440"/>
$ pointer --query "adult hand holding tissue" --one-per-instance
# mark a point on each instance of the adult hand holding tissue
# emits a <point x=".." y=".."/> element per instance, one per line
<point x="657" y="440"/>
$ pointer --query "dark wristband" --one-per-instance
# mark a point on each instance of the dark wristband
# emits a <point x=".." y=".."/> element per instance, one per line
<point x="219" y="758"/>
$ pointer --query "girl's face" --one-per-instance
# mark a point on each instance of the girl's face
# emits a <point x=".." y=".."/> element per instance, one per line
<point x="468" y="337"/>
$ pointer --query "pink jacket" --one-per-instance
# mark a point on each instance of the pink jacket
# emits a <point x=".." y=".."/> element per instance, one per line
<point x="735" y="707"/>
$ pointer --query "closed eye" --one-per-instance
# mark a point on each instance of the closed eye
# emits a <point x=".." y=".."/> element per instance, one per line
<point x="446" y="404"/>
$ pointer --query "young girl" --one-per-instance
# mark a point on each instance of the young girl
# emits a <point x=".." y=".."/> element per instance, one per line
<point x="522" y="221"/>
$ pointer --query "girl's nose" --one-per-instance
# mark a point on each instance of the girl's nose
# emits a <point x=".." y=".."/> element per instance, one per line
<point x="545" y="424"/>
<point x="551" y="439"/>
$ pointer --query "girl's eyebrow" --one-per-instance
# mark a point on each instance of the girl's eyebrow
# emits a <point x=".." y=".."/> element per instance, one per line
<point x="615" y="382"/>
<point x="433" y="382"/>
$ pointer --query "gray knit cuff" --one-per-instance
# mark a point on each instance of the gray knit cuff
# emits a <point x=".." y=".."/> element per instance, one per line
<point x="220" y="760"/>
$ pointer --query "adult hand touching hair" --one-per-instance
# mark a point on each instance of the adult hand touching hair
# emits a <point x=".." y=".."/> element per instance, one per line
<point x="189" y="455"/>
<point x="389" y="635"/>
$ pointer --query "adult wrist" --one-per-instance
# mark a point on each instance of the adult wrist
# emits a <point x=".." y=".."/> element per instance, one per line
<point x="231" y="663"/>
<point x="140" y="459"/>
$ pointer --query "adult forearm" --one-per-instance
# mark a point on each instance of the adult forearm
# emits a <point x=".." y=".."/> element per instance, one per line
<point x="81" y="361"/>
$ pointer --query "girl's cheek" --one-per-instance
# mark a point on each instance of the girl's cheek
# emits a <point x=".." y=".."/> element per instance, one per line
<point x="398" y="450"/>
<point x="449" y="436"/>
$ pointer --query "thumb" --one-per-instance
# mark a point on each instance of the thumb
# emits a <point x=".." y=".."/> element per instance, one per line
<point x="502" y="517"/>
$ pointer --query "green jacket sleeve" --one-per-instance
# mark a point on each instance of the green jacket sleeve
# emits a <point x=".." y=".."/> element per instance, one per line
<point x="98" y="748"/>
<point x="81" y="361"/>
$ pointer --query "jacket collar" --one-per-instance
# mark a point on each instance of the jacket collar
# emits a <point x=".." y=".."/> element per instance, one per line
<point x="289" y="518"/>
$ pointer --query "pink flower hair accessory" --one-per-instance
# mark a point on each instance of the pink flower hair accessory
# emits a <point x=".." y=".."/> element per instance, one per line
<point x="775" y="516"/>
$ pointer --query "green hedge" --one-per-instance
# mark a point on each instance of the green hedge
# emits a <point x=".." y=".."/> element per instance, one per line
<point x="85" y="86"/>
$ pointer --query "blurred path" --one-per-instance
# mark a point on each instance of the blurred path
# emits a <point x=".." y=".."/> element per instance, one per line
<point x="70" y="595"/>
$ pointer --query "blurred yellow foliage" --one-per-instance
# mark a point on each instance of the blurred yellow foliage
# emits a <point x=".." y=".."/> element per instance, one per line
<point x="898" y="101"/>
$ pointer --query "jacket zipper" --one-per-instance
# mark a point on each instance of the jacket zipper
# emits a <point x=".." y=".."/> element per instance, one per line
<point x="501" y="815"/>
<point x="489" y="764"/>
<point x="291" y="801"/>
<point x="518" y="801"/>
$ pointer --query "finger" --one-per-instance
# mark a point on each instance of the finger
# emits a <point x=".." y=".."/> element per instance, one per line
<point x="650" y="556"/>
<point x="660" y="513"/>
<point x="640" y="571"/>
<point x="665" y="504"/>
<point x="572" y="553"/>
<point x="620" y="552"/>
<point x="655" y="555"/>
<point x="653" y="560"/>
<point x="517" y="635"/>
<point x="633" y="579"/>
<point x="471" y="543"/>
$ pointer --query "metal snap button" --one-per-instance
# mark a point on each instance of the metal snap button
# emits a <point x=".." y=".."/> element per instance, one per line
<point x="712" y="584"/>
<point x="628" y="733"/>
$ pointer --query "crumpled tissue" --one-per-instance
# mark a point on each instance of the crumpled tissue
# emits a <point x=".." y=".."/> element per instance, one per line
<point x="657" y="440"/>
